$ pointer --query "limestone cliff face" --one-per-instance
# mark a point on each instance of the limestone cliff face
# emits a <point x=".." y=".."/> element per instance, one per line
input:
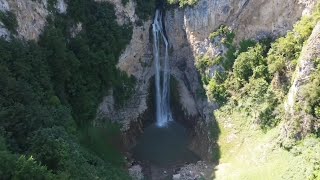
<point x="31" y="16"/>
<point x="296" y="95"/>
<point x="136" y="60"/>
<point x="247" y="18"/>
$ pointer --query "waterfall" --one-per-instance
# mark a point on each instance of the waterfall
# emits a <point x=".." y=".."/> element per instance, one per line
<point x="162" y="72"/>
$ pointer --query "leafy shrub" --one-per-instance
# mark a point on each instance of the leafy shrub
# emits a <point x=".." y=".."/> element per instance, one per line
<point x="250" y="63"/>
<point x="183" y="3"/>
<point x="216" y="90"/>
<point x="204" y="62"/>
<point x="224" y="33"/>
<point x="9" y="20"/>
<point x="145" y="8"/>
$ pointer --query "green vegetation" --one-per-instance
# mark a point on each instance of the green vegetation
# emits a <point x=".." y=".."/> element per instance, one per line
<point x="124" y="2"/>
<point x="224" y="34"/>
<point x="9" y="20"/>
<point x="52" y="4"/>
<point x="145" y="8"/>
<point x="311" y="94"/>
<point x="183" y="3"/>
<point x="49" y="94"/>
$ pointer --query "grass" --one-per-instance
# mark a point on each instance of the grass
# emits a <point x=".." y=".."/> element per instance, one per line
<point x="251" y="157"/>
<point x="249" y="153"/>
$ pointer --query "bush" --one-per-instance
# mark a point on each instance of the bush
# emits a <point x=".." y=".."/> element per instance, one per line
<point x="9" y="20"/>
<point x="216" y="91"/>
<point x="183" y="3"/>
<point x="250" y="63"/>
<point x="204" y="62"/>
<point x="224" y="33"/>
<point x="145" y="8"/>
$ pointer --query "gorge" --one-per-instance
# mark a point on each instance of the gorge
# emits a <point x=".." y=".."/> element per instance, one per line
<point x="159" y="89"/>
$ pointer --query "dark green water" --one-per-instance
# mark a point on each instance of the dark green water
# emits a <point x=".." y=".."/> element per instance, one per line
<point x="164" y="146"/>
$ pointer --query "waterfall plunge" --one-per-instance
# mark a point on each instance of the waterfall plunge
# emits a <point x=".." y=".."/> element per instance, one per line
<point x="162" y="72"/>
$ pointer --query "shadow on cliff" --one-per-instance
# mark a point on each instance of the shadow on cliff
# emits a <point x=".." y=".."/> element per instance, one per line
<point x="204" y="136"/>
<point x="216" y="153"/>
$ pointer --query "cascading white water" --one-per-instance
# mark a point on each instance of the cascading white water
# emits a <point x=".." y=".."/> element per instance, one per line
<point x="162" y="72"/>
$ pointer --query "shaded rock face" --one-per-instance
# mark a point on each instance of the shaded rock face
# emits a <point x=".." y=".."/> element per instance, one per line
<point x="296" y="97"/>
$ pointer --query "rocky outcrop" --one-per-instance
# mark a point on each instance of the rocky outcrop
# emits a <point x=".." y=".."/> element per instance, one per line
<point x="304" y="70"/>
<point x="31" y="16"/>
<point x="4" y="32"/>
<point x="136" y="60"/>
<point x="61" y="6"/>
<point x="135" y="172"/>
<point x="247" y="18"/>
<point x="197" y="171"/>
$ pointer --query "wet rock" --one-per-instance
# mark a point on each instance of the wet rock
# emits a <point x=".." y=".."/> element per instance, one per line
<point x="4" y="33"/>
<point x="135" y="172"/>
<point x="200" y="170"/>
<point x="4" y="6"/>
<point x="61" y="6"/>
<point x="176" y="176"/>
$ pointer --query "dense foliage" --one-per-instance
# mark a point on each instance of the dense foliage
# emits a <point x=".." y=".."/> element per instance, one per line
<point x="145" y="8"/>
<point x="183" y="3"/>
<point x="49" y="94"/>
<point x="9" y="21"/>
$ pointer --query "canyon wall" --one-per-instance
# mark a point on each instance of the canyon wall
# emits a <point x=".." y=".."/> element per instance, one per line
<point x="187" y="30"/>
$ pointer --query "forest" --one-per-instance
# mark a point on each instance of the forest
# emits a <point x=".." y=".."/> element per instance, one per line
<point x="50" y="91"/>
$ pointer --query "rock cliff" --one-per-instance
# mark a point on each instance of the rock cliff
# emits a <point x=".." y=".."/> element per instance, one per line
<point x="248" y="19"/>
<point x="296" y="96"/>
<point x="31" y="16"/>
